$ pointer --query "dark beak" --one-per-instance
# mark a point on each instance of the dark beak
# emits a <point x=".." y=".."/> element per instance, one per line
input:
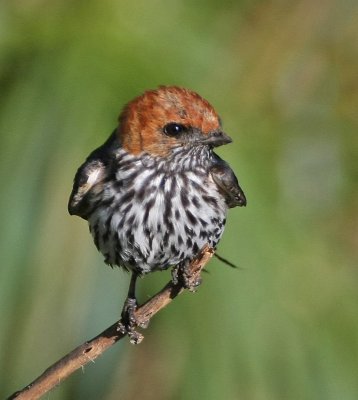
<point x="217" y="138"/>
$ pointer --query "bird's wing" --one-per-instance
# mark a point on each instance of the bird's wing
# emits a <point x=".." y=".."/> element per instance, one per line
<point x="227" y="183"/>
<point x="90" y="177"/>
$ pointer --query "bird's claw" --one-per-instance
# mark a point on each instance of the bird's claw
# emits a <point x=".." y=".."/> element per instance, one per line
<point x="181" y="274"/>
<point x="129" y="322"/>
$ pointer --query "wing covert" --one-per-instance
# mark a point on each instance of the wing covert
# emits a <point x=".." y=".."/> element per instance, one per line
<point x="90" y="177"/>
<point x="227" y="183"/>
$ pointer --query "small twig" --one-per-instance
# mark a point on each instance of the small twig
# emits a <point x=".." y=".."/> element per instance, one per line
<point x="90" y="350"/>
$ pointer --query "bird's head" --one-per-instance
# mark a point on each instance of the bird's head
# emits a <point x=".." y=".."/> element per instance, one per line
<point x="167" y="118"/>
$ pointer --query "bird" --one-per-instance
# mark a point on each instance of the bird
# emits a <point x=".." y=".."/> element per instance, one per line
<point x="156" y="192"/>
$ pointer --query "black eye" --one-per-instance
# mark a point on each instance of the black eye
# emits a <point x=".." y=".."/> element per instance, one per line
<point x="173" y="129"/>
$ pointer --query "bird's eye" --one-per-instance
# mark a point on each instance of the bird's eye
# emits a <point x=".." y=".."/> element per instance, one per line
<point x="173" y="129"/>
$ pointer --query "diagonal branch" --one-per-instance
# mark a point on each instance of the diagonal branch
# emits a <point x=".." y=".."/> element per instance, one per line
<point x="90" y="350"/>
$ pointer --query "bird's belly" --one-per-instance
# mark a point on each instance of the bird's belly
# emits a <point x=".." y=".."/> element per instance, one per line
<point x="162" y="228"/>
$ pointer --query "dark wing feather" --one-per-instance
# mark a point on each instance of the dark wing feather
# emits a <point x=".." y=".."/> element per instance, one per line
<point x="90" y="177"/>
<point x="227" y="183"/>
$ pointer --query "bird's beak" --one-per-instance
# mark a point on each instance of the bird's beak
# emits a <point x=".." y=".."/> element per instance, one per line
<point x="217" y="138"/>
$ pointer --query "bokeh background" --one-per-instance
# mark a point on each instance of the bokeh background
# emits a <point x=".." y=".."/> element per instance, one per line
<point x="284" y="77"/>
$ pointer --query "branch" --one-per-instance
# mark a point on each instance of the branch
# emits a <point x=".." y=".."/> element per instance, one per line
<point x="90" y="350"/>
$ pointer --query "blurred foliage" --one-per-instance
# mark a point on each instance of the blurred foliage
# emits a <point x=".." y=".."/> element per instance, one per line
<point x="283" y="76"/>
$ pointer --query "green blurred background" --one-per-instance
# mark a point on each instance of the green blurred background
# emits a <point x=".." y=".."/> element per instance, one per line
<point x="284" y="77"/>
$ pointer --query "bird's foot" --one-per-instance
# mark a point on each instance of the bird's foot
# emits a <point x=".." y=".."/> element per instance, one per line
<point x="128" y="323"/>
<point x="181" y="274"/>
